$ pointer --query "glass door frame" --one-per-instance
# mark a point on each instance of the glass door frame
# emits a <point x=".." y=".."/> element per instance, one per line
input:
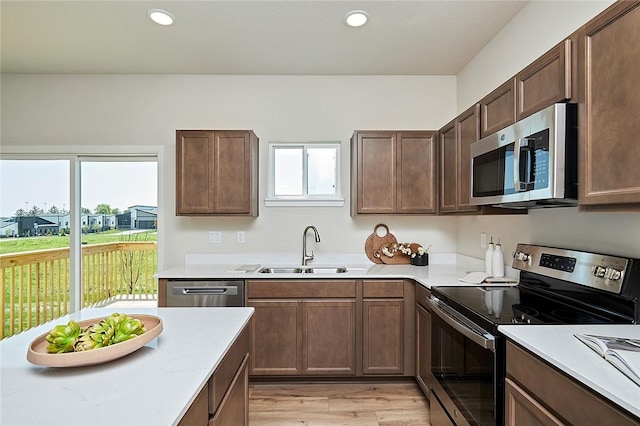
<point x="76" y="155"/>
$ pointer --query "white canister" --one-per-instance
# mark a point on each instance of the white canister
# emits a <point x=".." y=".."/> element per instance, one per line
<point x="498" y="261"/>
<point x="488" y="258"/>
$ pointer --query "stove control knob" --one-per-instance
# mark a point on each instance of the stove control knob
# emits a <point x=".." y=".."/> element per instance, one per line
<point x="524" y="257"/>
<point x="598" y="271"/>
<point x="612" y="274"/>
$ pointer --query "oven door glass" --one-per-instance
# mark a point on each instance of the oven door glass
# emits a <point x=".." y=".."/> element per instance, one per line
<point x="466" y="371"/>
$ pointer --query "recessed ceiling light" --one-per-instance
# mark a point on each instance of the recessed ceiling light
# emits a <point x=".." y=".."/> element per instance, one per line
<point x="356" y="18"/>
<point x="160" y="16"/>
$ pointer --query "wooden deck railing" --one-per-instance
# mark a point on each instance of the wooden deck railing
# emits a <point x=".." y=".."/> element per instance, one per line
<point x="35" y="285"/>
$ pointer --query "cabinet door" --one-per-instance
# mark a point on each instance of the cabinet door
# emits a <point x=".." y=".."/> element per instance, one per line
<point x="383" y="337"/>
<point x="232" y="172"/>
<point x="609" y="151"/>
<point x="522" y="409"/>
<point x="234" y="409"/>
<point x="467" y="132"/>
<point x="448" y="168"/>
<point x="329" y="328"/>
<point x="197" y="414"/>
<point x="276" y="338"/>
<point x="546" y="81"/>
<point x="498" y="109"/>
<point x="423" y="346"/>
<point x="375" y="177"/>
<point x="194" y="168"/>
<point x="416" y="179"/>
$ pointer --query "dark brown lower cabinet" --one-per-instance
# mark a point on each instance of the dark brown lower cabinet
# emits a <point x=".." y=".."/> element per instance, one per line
<point x="383" y="337"/>
<point x="276" y="337"/>
<point x="423" y="348"/>
<point x="329" y="337"/>
<point x="539" y="394"/>
<point x="234" y="409"/>
<point x="332" y="328"/>
<point x="303" y="328"/>
<point x="523" y="409"/>
<point x="224" y="400"/>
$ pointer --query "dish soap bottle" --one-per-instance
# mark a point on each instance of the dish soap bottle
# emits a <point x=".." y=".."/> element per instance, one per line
<point x="488" y="258"/>
<point x="498" y="261"/>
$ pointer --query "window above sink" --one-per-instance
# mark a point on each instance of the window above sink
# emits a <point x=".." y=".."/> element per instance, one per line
<point x="304" y="174"/>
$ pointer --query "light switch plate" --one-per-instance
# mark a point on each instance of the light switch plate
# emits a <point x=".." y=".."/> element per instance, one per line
<point x="215" y="237"/>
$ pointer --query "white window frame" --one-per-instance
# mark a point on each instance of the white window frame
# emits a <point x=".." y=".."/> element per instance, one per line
<point x="272" y="200"/>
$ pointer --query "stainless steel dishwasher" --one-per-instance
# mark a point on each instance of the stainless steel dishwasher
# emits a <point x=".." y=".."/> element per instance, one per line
<point x="205" y="293"/>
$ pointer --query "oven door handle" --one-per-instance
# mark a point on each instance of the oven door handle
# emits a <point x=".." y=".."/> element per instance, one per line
<point x="462" y="325"/>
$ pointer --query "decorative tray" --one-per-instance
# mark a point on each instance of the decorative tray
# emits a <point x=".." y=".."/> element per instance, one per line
<point x="37" y="352"/>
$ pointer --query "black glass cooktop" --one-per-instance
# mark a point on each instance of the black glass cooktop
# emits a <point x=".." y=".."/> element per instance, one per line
<point x="491" y="306"/>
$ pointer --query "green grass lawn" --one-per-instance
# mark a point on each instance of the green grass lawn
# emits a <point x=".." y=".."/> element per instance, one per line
<point x="19" y="245"/>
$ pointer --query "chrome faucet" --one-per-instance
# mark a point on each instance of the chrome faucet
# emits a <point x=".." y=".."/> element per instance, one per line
<point x="305" y="256"/>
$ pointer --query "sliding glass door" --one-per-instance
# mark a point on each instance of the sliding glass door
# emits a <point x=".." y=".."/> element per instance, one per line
<point x="75" y="231"/>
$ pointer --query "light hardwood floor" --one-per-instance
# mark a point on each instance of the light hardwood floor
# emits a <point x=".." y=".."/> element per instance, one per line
<point x="330" y="404"/>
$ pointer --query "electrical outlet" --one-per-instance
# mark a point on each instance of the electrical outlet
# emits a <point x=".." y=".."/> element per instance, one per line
<point x="483" y="240"/>
<point x="240" y="237"/>
<point x="215" y="237"/>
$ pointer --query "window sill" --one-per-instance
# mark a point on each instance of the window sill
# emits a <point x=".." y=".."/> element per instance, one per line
<point x="296" y="202"/>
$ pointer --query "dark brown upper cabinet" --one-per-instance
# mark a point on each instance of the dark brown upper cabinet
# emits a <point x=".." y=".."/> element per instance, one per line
<point x="394" y="172"/>
<point x="455" y="161"/>
<point x="216" y="172"/>
<point x="609" y="90"/>
<point x="546" y="81"/>
<point x="498" y="108"/>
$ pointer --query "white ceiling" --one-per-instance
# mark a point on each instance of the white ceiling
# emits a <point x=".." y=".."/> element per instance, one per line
<point x="294" y="37"/>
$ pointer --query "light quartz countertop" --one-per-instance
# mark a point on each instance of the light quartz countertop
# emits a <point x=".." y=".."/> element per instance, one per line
<point x="443" y="270"/>
<point x="151" y="386"/>
<point x="557" y="345"/>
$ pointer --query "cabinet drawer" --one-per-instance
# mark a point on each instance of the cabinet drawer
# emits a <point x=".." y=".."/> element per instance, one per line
<point x="275" y="289"/>
<point x="422" y="294"/>
<point x="223" y="376"/>
<point x="563" y="396"/>
<point x="383" y="289"/>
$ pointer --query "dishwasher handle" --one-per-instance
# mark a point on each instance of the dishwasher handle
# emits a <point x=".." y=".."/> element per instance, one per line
<point x="224" y="290"/>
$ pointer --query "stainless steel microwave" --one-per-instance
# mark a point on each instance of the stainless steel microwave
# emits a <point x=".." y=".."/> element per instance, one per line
<point x="532" y="163"/>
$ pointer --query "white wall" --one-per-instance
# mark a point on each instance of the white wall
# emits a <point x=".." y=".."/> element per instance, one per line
<point x="517" y="45"/>
<point x="121" y="110"/>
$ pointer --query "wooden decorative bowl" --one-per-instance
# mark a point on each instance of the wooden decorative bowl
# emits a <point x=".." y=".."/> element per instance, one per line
<point x="37" y="352"/>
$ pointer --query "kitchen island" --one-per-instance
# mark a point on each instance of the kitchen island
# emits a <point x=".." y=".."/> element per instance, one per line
<point x="154" y="385"/>
<point x="557" y="346"/>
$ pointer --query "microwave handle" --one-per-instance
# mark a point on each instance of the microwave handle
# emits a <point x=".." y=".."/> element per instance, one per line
<point x="522" y="181"/>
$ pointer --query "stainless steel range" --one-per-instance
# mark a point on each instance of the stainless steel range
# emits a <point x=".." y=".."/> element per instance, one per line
<point x="557" y="286"/>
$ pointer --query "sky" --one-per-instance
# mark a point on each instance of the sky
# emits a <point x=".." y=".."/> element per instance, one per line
<point x="44" y="183"/>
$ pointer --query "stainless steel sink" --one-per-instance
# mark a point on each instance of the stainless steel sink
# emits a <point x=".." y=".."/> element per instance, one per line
<point x="303" y="270"/>
<point x="280" y="270"/>
<point x="325" y="270"/>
